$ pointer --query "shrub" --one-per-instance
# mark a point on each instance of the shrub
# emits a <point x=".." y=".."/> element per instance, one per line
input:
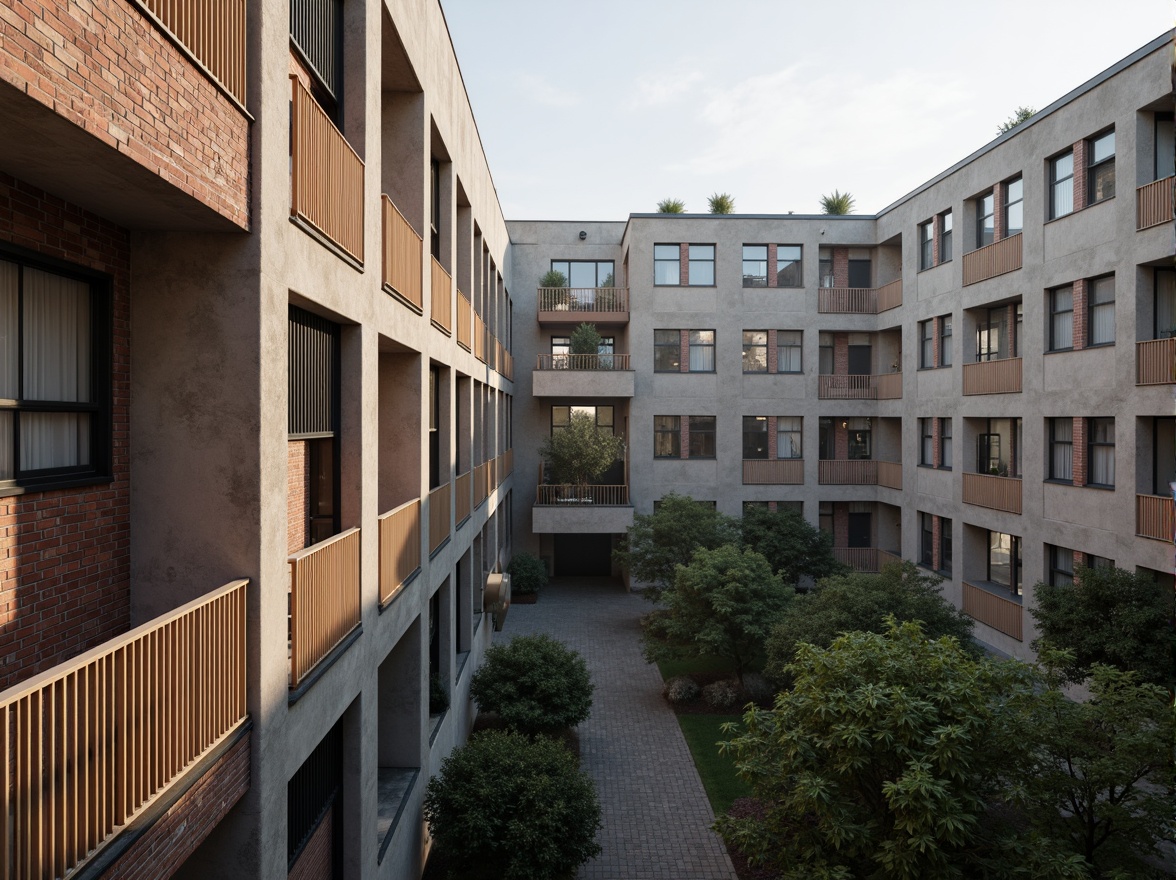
<point x="681" y="689"/>
<point x="722" y="695"/>
<point x="554" y="278"/>
<point x="504" y="806"/>
<point x="527" y="573"/>
<point x="535" y="684"/>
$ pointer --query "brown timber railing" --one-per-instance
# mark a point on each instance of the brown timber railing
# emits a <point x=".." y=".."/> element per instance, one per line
<point x="889" y="386"/>
<point x="327" y="175"/>
<point x="993" y="492"/>
<point x="213" y="31"/>
<point x="864" y="559"/>
<point x="402" y="254"/>
<point x="993" y="259"/>
<point x="993" y="377"/>
<point x="438" y="517"/>
<point x="847" y="472"/>
<point x="508" y="462"/>
<point x="609" y="300"/>
<point x="607" y="496"/>
<point x="479" y="338"/>
<point x="890" y="474"/>
<point x="1154" y="515"/>
<point x="400" y="547"/>
<point x="89" y="743"/>
<point x="889" y="296"/>
<point x="1003" y="615"/>
<point x="886" y="386"/>
<point x="859" y="300"/>
<point x="773" y="472"/>
<point x="583" y="362"/>
<point x="481" y="489"/>
<point x="461" y="497"/>
<point x="1155" y="362"/>
<point x="465" y="322"/>
<point x="324" y="600"/>
<point x="1153" y="203"/>
<point x="441" y="298"/>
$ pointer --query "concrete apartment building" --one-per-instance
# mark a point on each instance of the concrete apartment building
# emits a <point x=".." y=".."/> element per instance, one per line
<point x="978" y="378"/>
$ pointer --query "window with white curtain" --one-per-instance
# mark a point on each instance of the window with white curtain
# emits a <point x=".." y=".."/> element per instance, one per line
<point x="788" y="351"/>
<point x="788" y="437"/>
<point x="1061" y="318"/>
<point x="1061" y="449"/>
<point x="1101" y="299"/>
<point x="702" y="351"/>
<point x="1101" y="438"/>
<point x="49" y="403"/>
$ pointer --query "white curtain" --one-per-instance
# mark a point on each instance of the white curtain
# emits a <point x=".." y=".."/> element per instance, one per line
<point x="1062" y="450"/>
<point x="56" y="338"/>
<point x="788" y="437"/>
<point x="6" y="471"/>
<point x="53" y="440"/>
<point x="702" y="358"/>
<point x="9" y="330"/>
<point x="1063" y="318"/>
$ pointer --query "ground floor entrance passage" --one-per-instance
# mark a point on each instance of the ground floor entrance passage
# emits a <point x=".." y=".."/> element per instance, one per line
<point x="583" y="555"/>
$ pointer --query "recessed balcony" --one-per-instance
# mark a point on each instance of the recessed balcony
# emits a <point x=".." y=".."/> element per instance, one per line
<point x="991" y="609"/>
<point x="1155" y="517"/>
<point x="859" y="300"/>
<point x="992" y="260"/>
<point x="1153" y="203"/>
<point x="859" y="472"/>
<point x="773" y="472"/>
<point x="865" y="559"/>
<point x="993" y="492"/>
<point x="1155" y="362"/>
<point x="591" y="509"/>
<point x="886" y="386"/>
<point x="582" y="375"/>
<point x="993" y="377"/>
<point x="324" y="601"/>
<point x="572" y="305"/>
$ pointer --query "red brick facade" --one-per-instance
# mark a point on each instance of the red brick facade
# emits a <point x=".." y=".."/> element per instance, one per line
<point x="1079" y="175"/>
<point x="1079" y="314"/>
<point x="65" y="554"/>
<point x="105" y="67"/>
<point x="297" y="495"/>
<point x="1079" y="452"/>
<point x="176" y="835"/>
<point x="316" y="861"/>
<point x="840" y="267"/>
<point x="684" y="264"/>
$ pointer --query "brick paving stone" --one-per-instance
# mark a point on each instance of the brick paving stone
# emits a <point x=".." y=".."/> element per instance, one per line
<point x="654" y="809"/>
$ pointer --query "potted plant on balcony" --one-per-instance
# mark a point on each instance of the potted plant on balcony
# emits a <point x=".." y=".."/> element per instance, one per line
<point x="556" y="297"/>
<point x="584" y="347"/>
<point x="578" y="454"/>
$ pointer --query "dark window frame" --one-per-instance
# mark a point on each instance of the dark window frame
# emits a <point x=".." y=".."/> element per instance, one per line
<point x="1016" y="583"/>
<point x="1057" y="184"/>
<point x="1056" y="445"/>
<point x="1010" y="203"/>
<point x="755" y="280"/>
<point x="926" y="240"/>
<point x="676" y="260"/>
<point x="945" y="335"/>
<point x="666" y="346"/>
<point x="1096" y="168"/>
<point x="759" y="429"/>
<point x="793" y="271"/>
<point x="691" y="345"/>
<point x="1059" y="575"/>
<point x="674" y="427"/>
<point x="926" y="539"/>
<point x="1054" y="312"/>
<point x="946" y="224"/>
<point x="798" y="432"/>
<point x="926" y="442"/>
<point x="691" y="261"/>
<point x="781" y="346"/>
<point x="946" y="446"/>
<point x="1094" y="445"/>
<point x="985" y="219"/>
<point x="1092" y="307"/>
<point x="927" y="344"/>
<point x="700" y="429"/>
<point x="945" y="546"/>
<point x="754" y="346"/>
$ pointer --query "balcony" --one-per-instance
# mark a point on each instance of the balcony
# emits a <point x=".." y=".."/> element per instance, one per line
<point x="324" y="601"/>
<point x="993" y="377"/>
<point x="461" y="497"/>
<point x="465" y="322"/>
<point x="582" y="375"/>
<point x="566" y="509"/>
<point x="859" y="300"/>
<point x="439" y="510"/>
<point x="90" y="744"/>
<point x="992" y="260"/>
<point x="993" y="492"/>
<point x="1155" y="362"/>
<point x="508" y="462"/>
<point x="887" y="386"/>
<point x="402" y="256"/>
<point x="773" y="472"/>
<point x="481" y="483"/>
<point x="1155" y="517"/>
<point x="213" y="31"/>
<point x="571" y="305"/>
<point x="865" y="559"/>
<point x="479" y="338"/>
<point x="1153" y="203"/>
<point x="440" y="298"/>
<point x="400" y="548"/>
<point x="890" y="474"/>
<point x="859" y="472"/>
<point x="991" y="609"/>
<point x="326" y="176"/>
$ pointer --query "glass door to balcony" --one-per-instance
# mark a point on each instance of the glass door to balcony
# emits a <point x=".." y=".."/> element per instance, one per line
<point x="859" y="529"/>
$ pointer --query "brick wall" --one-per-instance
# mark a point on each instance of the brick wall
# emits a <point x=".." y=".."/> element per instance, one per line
<point x="297" y="495"/>
<point x="1079" y="175"/>
<point x="683" y="264"/>
<point x="176" y="834"/>
<point x="1079" y="452"/>
<point x="315" y="862"/>
<point x="106" y="68"/>
<point x="840" y="267"/>
<point x="840" y="524"/>
<point x="1079" y="315"/>
<point x="773" y="266"/>
<point x="65" y="554"/>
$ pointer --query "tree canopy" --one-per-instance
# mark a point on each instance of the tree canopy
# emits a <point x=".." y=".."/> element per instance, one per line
<point x="793" y="546"/>
<point x="1019" y="116"/>
<point x="837" y="202"/>
<point x="580" y="452"/>
<point x="671" y="206"/>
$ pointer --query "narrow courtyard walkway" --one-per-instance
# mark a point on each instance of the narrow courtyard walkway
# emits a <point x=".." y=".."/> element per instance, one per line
<point x="655" y="812"/>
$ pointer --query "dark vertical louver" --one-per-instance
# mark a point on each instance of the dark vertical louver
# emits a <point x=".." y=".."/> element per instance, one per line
<point x="316" y="26"/>
<point x="311" y="791"/>
<point x="313" y="375"/>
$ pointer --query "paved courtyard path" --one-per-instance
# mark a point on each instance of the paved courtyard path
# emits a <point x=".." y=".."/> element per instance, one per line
<point x="655" y="812"/>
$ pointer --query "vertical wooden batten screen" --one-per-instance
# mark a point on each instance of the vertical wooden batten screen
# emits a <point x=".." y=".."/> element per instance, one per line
<point x="400" y="547"/>
<point x="440" y="298"/>
<point x="403" y="247"/>
<point x="439" y="511"/>
<point x="213" y="31"/>
<point x="324" y="600"/>
<point x="89" y="743"/>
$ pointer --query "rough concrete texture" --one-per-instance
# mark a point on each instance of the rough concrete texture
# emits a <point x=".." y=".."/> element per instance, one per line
<point x="657" y="820"/>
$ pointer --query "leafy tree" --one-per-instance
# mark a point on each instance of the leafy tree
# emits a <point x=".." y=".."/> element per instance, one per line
<point x="723" y="603"/>
<point x="535" y="684"/>
<point x="585" y="339"/>
<point x="1019" y="116"/>
<point x="504" y="806"/>
<point x="881" y="762"/>
<point x="837" y="203"/>
<point x="527" y="573"/>
<point x="1103" y="781"/>
<point x="553" y="278"/>
<point x="857" y="602"/>
<point x="791" y="544"/>
<point x="671" y="206"/>
<point x="721" y="203"/>
<point x="1110" y="616"/>
<point x="656" y="544"/>
<point x="580" y="452"/>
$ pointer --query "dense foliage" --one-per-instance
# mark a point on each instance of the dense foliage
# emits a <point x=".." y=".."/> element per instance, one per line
<point x="837" y="202"/>
<point x="504" y="806"/>
<point x="721" y="203"/>
<point x="535" y="684"/>
<point x="585" y="339"/>
<point x="793" y="546"/>
<point x="671" y="206"/>
<point x="553" y="278"/>
<point x="527" y="573"/>
<point x="580" y="452"/>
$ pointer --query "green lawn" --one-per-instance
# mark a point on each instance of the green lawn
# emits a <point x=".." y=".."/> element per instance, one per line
<point x="717" y="771"/>
<point x="703" y="663"/>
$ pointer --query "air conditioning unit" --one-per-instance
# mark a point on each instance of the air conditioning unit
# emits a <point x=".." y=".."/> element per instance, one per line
<point x="496" y="597"/>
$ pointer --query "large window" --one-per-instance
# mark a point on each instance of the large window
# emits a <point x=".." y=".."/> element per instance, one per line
<point x="945" y="444"/>
<point x="860" y="438"/>
<point x="755" y="437"/>
<point x="667" y="436"/>
<point x="702" y="436"/>
<point x="561" y="416"/>
<point x="825" y="354"/>
<point x="992" y="334"/>
<point x="701" y="271"/>
<point x="1061" y="449"/>
<point x="1164" y="326"/>
<point x="789" y="265"/>
<point x="927" y="442"/>
<point x="665" y="264"/>
<point x="586" y="273"/>
<point x="788" y="437"/>
<point x="1061" y="185"/>
<point x="985" y="219"/>
<point x="1100" y="176"/>
<point x="788" y="351"/>
<point x="926" y="245"/>
<point x="1061" y="318"/>
<point x="755" y="351"/>
<point x="1100" y="297"/>
<point x="945" y="237"/>
<point x="755" y="265"/>
<point x="702" y="351"/>
<point x="1014" y="206"/>
<point x="54" y="375"/>
<point x="1004" y="561"/>
<point x="1101" y="438"/>
<point x="667" y="351"/>
<point x="1061" y="567"/>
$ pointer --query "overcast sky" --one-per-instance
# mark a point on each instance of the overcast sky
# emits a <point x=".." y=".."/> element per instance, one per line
<point x="595" y="109"/>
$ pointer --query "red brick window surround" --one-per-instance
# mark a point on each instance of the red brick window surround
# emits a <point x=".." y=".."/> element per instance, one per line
<point x="684" y="437"/>
<point x="683" y="351"/>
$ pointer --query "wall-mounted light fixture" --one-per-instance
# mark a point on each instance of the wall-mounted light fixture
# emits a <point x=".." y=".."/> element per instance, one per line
<point x="583" y="235"/>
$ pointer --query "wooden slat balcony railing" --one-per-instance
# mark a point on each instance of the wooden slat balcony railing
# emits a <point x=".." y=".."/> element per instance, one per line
<point x="508" y="367"/>
<point x="403" y="249"/>
<point x="400" y="547"/>
<point x="508" y="461"/>
<point x="213" y="31"/>
<point x="560" y="495"/>
<point x="993" y="259"/>
<point x="462" y="504"/>
<point x="89" y="743"/>
<point x="608" y="300"/>
<point x="1003" y="615"/>
<point x="465" y="322"/>
<point x="840" y="387"/>
<point x="439" y="510"/>
<point x="480" y="490"/>
<point x="859" y="300"/>
<point x="993" y="492"/>
<point x="491" y="475"/>
<point x="773" y="472"/>
<point x="889" y="386"/>
<point x="582" y="362"/>
<point x="890" y="474"/>
<point x="864" y="559"/>
<point x="327" y="175"/>
<point x="1155" y="361"/>
<point x="324" y="600"/>
<point x="1153" y="203"/>
<point x="993" y="377"/>
<point x="842" y="472"/>
<point x="889" y="296"/>
<point x="1154" y="516"/>
<point x="479" y="338"/>
<point x="441" y="298"/>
